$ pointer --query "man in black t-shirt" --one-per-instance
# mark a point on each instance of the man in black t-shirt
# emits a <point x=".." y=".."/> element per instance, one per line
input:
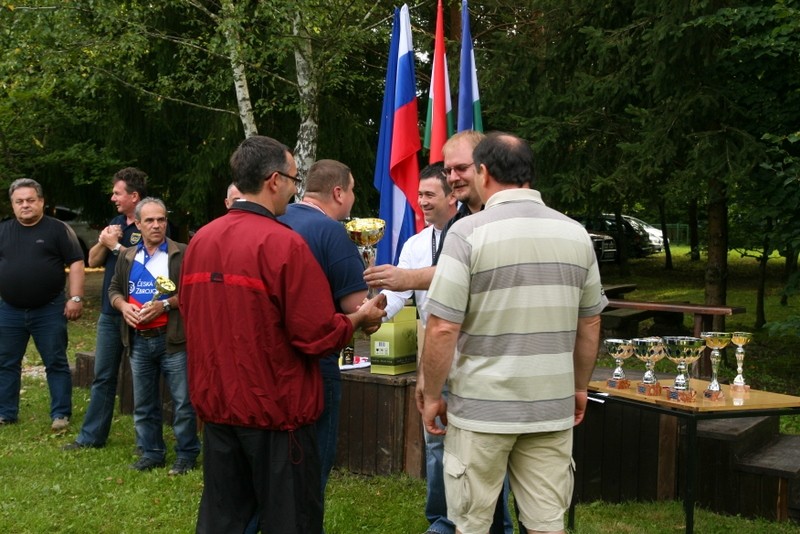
<point x="34" y="249"/>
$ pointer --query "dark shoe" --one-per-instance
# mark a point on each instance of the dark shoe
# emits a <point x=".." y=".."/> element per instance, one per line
<point x="74" y="446"/>
<point x="4" y="421"/>
<point x="182" y="466"/>
<point x="146" y="464"/>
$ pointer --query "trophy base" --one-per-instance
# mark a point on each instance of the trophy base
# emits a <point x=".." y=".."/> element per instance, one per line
<point x="740" y="389"/>
<point x="649" y="390"/>
<point x="618" y="383"/>
<point x="713" y="395"/>
<point x="682" y="395"/>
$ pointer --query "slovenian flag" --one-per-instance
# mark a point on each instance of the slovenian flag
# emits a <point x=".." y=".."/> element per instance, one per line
<point x="469" y="102"/>
<point x="439" y="124"/>
<point x="397" y="168"/>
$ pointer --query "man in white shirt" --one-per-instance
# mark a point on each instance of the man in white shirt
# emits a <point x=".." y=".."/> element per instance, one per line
<point x="438" y="204"/>
<point x="435" y="197"/>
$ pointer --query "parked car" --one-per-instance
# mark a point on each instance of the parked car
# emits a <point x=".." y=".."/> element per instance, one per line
<point x="638" y="241"/>
<point x="87" y="234"/>
<point x="604" y="247"/>
<point x="656" y="237"/>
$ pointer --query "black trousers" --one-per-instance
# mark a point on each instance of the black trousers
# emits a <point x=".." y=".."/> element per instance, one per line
<point x="248" y="471"/>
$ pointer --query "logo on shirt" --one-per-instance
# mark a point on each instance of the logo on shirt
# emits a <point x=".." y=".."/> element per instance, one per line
<point x="135" y="238"/>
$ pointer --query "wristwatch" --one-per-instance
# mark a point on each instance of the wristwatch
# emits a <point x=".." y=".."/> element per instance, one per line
<point x="116" y="249"/>
<point x="76" y="299"/>
<point x="167" y="307"/>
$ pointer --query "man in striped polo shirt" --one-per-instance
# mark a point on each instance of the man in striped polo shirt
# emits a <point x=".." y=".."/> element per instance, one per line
<point x="517" y="290"/>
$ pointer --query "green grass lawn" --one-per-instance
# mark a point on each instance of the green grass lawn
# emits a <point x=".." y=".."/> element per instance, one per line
<point x="93" y="491"/>
<point x="43" y="489"/>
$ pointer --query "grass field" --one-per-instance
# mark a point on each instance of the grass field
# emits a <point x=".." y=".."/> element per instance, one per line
<point x="46" y="490"/>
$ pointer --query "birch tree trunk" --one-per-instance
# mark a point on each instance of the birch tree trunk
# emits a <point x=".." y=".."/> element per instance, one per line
<point x="305" y="151"/>
<point x="231" y="32"/>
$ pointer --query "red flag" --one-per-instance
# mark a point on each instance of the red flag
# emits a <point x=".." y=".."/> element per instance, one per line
<point x="439" y="124"/>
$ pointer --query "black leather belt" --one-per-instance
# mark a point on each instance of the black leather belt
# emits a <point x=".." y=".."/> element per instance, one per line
<point x="152" y="332"/>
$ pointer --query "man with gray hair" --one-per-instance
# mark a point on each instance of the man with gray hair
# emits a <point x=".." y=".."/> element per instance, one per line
<point x="153" y="330"/>
<point x="34" y="249"/>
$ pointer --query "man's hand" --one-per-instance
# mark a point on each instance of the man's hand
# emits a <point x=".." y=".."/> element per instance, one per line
<point x="150" y="311"/>
<point x="73" y="310"/>
<point x="110" y="236"/>
<point x="581" y="399"/>
<point x="386" y="277"/>
<point x="430" y="408"/>
<point x="130" y="313"/>
<point x="368" y="316"/>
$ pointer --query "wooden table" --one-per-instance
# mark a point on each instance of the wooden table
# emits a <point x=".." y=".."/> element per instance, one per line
<point x="734" y="405"/>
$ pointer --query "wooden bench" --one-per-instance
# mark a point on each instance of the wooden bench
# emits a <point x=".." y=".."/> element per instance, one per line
<point x="703" y="313"/>
<point x="614" y="291"/>
<point x="623" y="323"/>
<point x="777" y="463"/>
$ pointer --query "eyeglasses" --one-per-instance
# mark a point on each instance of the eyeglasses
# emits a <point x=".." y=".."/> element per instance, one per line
<point x="297" y="181"/>
<point x="460" y="169"/>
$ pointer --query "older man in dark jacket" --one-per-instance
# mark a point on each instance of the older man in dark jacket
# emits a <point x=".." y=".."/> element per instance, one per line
<point x="153" y="330"/>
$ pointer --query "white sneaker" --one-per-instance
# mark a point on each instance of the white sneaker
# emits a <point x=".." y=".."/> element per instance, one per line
<point x="60" y="424"/>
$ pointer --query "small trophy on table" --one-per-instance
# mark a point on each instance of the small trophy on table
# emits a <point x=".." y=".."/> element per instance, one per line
<point x="683" y="351"/>
<point x="715" y="341"/>
<point x="650" y="350"/>
<point x="620" y="350"/>
<point x="740" y="339"/>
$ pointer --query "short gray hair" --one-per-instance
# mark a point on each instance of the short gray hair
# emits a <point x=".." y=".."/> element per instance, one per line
<point x="137" y="213"/>
<point x="25" y="182"/>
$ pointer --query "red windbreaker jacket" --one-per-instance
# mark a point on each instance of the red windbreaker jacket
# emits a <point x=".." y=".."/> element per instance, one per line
<point x="258" y="314"/>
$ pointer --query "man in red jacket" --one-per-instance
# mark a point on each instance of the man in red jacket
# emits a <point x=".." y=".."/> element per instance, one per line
<point x="258" y="315"/>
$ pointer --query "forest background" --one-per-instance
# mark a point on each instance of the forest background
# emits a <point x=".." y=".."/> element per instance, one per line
<point x="678" y="112"/>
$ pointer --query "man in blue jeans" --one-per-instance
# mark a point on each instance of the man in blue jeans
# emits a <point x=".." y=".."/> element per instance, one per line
<point x="153" y="331"/>
<point x="34" y="249"/>
<point x="129" y="187"/>
<point x="459" y="175"/>
<point x="328" y="198"/>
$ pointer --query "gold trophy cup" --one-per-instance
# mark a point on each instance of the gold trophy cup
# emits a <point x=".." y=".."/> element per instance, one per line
<point x="715" y="341"/>
<point x="164" y="286"/>
<point x="366" y="233"/>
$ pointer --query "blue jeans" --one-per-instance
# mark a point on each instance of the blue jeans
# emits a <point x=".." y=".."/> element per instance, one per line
<point x="148" y="361"/>
<point x="107" y="357"/>
<point x="48" y="327"/>
<point x="435" y="500"/>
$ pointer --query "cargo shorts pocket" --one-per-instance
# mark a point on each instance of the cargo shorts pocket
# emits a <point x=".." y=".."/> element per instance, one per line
<point x="456" y="484"/>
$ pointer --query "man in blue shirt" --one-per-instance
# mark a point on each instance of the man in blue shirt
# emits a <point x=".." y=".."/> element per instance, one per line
<point x="328" y="199"/>
<point x="129" y="187"/>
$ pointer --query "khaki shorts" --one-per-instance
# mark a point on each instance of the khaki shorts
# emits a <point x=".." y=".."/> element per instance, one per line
<point x="540" y="469"/>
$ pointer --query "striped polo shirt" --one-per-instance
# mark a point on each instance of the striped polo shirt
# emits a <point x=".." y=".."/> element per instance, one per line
<point x="516" y="276"/>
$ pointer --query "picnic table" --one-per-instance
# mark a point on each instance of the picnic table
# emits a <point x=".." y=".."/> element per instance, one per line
<point x="703" y="313"/>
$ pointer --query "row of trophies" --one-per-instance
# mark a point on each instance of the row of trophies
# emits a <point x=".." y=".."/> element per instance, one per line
<point x="683" y="351"/>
